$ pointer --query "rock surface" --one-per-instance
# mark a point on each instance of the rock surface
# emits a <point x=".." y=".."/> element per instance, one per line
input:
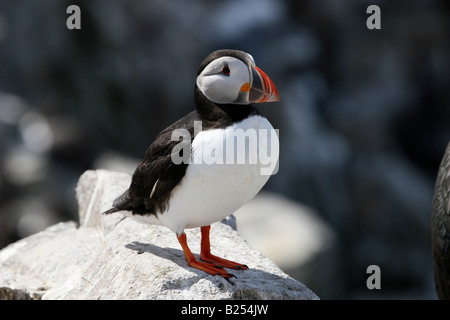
<point x="112" y="257"/>
<point x="294" y="237"/>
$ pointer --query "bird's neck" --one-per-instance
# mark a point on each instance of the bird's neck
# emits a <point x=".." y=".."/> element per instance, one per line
<point x="209" y="110"/>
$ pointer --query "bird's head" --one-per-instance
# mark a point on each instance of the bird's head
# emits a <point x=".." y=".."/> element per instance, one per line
<point x="231" y="77"/>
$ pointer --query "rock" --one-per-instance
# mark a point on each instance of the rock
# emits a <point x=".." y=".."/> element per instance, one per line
<point x="113" y="257"/>
<point x="294" y="237"/>
<point x="440" y="235"/>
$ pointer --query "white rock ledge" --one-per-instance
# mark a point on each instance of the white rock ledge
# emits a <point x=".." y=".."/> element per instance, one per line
<point x="112" y="257"/>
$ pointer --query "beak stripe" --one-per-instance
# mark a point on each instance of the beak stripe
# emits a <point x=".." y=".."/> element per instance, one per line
<point x="270" y="93"/>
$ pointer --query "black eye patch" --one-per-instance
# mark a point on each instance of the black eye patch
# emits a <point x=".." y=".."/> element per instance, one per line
<point x="226" y="70"/>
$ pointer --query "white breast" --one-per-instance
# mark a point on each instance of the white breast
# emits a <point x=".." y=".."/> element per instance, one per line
<point x="225" y="173"/>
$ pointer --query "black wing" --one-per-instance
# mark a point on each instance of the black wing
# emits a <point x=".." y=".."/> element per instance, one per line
<point x="157" y="175"/>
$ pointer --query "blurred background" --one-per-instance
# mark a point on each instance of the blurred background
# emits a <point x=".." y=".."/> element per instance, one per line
<point x="364" y="116"/>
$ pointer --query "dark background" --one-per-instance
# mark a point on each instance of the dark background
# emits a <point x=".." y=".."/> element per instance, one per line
<point x="364" y="116"/>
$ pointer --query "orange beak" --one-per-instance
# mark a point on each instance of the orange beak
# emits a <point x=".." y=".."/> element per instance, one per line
<point x="262" y="88"/>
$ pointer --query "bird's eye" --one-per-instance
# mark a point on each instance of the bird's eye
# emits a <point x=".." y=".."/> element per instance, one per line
<point x="226" y="70"/>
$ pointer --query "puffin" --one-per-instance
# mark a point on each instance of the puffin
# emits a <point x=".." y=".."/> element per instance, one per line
<point x="183" y="180"/>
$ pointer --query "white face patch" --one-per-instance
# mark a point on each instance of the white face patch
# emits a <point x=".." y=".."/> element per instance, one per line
<point x="222" y="79"/>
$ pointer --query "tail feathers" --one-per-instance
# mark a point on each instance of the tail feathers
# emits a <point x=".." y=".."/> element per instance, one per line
<point x="112" y="210"/>
<point x="123" y="202"/>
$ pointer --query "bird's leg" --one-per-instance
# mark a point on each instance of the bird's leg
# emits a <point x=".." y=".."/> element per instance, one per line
<point x="205" y="253"/>
<point x="204" y="266"/>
